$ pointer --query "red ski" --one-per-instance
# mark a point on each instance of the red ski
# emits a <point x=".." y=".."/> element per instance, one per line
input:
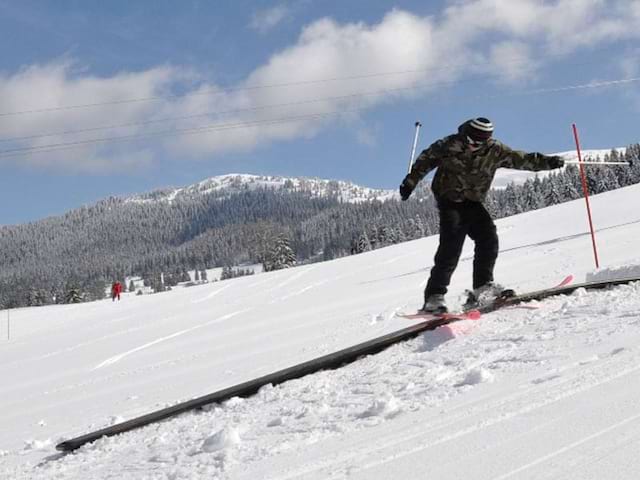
<point x="567" y="280"/>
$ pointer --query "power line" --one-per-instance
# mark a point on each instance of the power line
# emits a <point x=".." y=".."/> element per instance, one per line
<point x="175" y="132"/>
<point x="217" y="91"/>
<point x="210" y="91"/>
<point x="242" y="110"/>
<point x="292" y="104"/>
<point x="606" y="83"/>
<point x="20" y="151"/>
<point x="225" y="112"/>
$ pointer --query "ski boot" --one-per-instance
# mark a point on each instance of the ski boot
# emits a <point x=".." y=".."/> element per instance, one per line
<point x="487" y="294"/>
<point x="434" y="304"/>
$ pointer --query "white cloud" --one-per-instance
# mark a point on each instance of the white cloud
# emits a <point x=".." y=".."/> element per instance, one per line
<point x="328" y="50"/>
<point x="496" y="37"/>
<point x="265" y="20"/>
<point x="39" y="90"/>
<point x="515" y="61"/>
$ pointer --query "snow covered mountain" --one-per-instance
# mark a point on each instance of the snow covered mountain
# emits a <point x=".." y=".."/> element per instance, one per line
<point x="547" y="391"/>
<point x="233" y="183"/>
<point x="343" y="190"/>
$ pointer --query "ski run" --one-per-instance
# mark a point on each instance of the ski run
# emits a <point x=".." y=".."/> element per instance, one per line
<point x="525" y="393"/>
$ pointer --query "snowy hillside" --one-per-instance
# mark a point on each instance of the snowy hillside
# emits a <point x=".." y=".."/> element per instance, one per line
<point x="548" y="391"/>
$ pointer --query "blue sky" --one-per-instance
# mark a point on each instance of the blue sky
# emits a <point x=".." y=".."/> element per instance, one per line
<point x="120" y="97"/>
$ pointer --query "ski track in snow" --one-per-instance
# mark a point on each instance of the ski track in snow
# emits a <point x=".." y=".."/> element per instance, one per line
<point x="299" y="292"/>
<point x="212" y="294"/>
<point x="523" y="402"/>
<point x="293" y="278"/>
<point x="75" y="347"/>
<point x="569" y="447"/>
<point x="117" y="358"/>
<point x="397" y="258"/>
<point x="327" y="281"/>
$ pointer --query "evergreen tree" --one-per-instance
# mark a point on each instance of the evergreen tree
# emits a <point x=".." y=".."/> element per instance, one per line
<point x="530" y="197"/>
<point x="37" y="297"/>
<point x="420" y="230"/>
<point x="281" y="255"/>
<point x="226" y="273"/>
<point x="73" y="295"/>
<point x="362" y="244"/>
<point x="95" y="289"/>
<point x="157" y="282"/>
<point x="569" y="184"/>
<point x="552" y="193"/>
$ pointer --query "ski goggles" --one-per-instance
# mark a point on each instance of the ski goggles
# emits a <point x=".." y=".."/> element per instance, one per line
<point x="475" y="143"/>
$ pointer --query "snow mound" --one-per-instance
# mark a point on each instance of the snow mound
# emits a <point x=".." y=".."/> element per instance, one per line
<point x="31" y="445"/>
<point x="386" y="408"/>
<point x="630" y="270"/>
<point x="476" y="376"/>
<point x="221" y="441"/>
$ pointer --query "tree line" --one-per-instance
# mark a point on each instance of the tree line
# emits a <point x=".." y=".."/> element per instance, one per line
<point x="73" y="257"/>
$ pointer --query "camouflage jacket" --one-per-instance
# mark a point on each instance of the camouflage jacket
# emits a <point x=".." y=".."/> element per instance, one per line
<point x="467" y="175"/>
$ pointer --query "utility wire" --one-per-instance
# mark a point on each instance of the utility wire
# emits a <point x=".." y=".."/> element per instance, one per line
<point x="292" y="104"/>
<point x="220" y="127"/>
<point x="606" y="83"/>
<point x="186" y="131"/>
<point x="218" y="91"/>
<point x="210" y="91"/>
<point x="225" y="112"/>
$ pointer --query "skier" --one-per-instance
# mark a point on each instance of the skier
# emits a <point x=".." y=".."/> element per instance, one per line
<point x="116" y="289"/>
<point x="467" y="162"/>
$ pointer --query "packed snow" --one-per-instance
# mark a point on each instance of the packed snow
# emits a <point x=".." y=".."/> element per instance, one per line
<point x="546" y="390"/>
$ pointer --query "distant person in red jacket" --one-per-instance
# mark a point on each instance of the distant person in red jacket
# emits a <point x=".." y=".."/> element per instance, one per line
<point x="116" y="290"/>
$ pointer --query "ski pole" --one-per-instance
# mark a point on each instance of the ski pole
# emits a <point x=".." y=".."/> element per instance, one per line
<point x="628" y="163"/>
<point x="415" y="143"/>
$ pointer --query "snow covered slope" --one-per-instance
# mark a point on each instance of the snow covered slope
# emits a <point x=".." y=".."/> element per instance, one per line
<point x="549" y="392"/>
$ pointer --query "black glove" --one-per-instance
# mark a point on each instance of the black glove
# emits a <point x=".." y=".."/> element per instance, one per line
<point x="555" y="162"/>
<point x="406" y="187"/>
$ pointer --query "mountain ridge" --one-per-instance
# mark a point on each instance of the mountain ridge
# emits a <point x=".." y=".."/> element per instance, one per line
<point x="240" y="182"/>
<point x="345" y="191"/>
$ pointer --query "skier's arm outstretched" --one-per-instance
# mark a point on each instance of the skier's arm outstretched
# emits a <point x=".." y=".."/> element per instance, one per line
<point x="519" y="160"/>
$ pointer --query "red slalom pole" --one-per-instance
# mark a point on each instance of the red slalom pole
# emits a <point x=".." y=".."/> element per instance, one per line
<point x="586" y="195"/>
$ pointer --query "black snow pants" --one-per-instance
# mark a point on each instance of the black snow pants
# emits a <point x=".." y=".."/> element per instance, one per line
<point x="457" y="220"/>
